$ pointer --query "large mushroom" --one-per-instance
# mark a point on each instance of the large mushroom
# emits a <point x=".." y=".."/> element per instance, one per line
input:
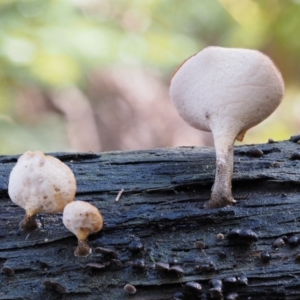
<point x="226" y="91"/>
<point x="40" y="184"/>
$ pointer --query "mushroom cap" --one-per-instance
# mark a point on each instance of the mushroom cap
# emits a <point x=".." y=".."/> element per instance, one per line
<point x="82" y="219"/>
<point x="41" y="184"/>
<point x="226" y="89"/>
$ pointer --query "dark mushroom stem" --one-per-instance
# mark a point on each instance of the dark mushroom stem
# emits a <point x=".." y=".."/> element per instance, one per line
<point x="83" y="249"/>
<point x="221" y="192"/>
<point x="29" y="223"/>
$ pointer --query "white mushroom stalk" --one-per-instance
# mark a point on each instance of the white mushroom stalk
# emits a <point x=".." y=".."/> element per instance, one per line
<point x="226" y="91"/>
<point x="82" y="219"/>
<point x="40" y="184"/>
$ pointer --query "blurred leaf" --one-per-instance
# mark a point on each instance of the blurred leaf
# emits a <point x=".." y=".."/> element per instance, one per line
<point x="55" y="43"/>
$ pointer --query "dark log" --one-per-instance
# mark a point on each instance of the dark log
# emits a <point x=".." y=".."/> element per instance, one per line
<point x="162" y="208"/>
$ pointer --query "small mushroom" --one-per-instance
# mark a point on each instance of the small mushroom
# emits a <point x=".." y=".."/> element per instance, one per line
<point x="215" y="91"/>
<point x="220" y="236"/>
<point x="265" y="257"/>
<point x="242" y="236"/>
<point x="293" y="241"/>
<point x="243" y="280"/>
<point x="8" y="271"/>
<point x="161" y="266"/>
<point x="271" y="141"/>
<point x="255" y="152"/>
<point x="130" y="289"/>
<point x="199" y="245"/>
<point x="192" y="288"/>
<point x="40" y="184"/>
<point x="279" y="242"/>
<point x="234" y="234"/>
<point x="295" y="156"/>
<point x="82" y="219"/>
<point x="248" y="236"/>
<point x="216" y="292"/>
<point x="230" y="281"/>
<point x="176" y="269"/>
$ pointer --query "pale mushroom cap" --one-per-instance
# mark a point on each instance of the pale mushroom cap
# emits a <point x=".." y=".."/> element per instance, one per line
<point x="226" y="89"/>
<point x="82" y="219"/>
<point x="41" y="184"/>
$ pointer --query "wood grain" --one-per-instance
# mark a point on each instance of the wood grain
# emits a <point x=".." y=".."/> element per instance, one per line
<point x="162" y="208"/>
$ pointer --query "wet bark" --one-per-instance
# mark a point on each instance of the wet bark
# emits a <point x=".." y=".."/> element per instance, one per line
<point x="162" y="209"/>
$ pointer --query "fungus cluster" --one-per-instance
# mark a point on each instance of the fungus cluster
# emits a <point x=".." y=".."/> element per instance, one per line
<point x="226" y="92"/>
<point x="43" y="184"/>
<point x="40" y="184"/>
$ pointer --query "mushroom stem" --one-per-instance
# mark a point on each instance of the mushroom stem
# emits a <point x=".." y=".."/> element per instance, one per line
<point x="29" y="223"/>
<point x="221" y="193"/>
<point x="83" y="249"/>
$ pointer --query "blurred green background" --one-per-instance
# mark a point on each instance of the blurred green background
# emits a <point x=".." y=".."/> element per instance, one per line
<point x="93" y="75"/>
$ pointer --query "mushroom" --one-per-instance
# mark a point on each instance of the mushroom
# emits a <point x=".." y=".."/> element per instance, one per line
<point x="40" y="184"/>
<point x="82" y="219"/>
<point x="226" y="92"/>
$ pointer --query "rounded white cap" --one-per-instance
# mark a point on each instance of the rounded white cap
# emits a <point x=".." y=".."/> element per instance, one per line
<point x="226" y="89"/>
<point x="41" y="184"/>
<point x="82" y="219"/>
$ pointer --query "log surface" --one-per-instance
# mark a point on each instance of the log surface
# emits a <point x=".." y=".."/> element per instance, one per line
<point x="162" y="208"/>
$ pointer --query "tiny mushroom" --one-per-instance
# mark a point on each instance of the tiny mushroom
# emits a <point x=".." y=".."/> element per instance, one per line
<point x="82" y="219"/>
<point x="130" y="289"/>
<point x="279" y="242"/>
<point x="40" y="184"/>
<point x="293" y="241"/>
<point x="192" y="288"/>
<point x="8" y="271"/>
<point x="242" y="236"/>
<point x="217" y="288"/>
<point x="106" y="252"/>
<point x="161" y="266"/>
<point x="176" y="269"/>
<point x="226" y="92"/>
<point x="265" y="257"/>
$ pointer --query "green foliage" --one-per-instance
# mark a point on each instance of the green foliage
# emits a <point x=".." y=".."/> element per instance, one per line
<point x="53" y="44"/>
